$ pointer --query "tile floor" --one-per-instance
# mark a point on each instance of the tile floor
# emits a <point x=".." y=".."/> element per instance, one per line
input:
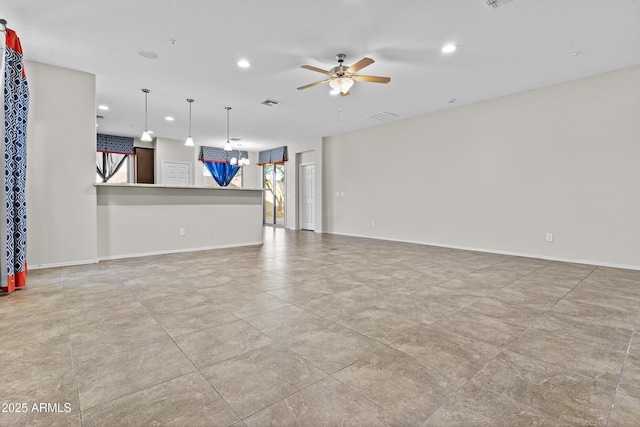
<point x="322" y="330"/>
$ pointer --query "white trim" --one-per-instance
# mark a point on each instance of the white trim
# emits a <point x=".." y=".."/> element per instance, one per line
<point x="498" y="252"/>
<point x="60" y="264"/>
<point x="177" y="251"/>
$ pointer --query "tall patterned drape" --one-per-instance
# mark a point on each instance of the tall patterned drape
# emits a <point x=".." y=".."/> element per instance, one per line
<point x="14" y="216"/>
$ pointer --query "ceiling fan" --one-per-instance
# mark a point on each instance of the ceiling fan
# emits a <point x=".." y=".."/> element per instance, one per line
<point x="342" y="77"/>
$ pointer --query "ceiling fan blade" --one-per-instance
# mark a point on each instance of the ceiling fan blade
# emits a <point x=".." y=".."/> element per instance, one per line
<point x="319" y="70"/>
<point x="372" y="79"/>
<point x="360" y="65"/>
<point x="314" y="84"/>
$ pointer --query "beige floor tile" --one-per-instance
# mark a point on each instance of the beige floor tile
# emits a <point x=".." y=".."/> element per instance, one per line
<point x="54" y="416"/>
<point x="104" y="379"/>
<point x="194" y="319"/>
<point x="188" y="400"/>
<point x="285" y="322"/>
<point x="332" y="347"/>
<point x="381" y="325"/>
<point x="626" y="410"/>
<point x="478" y="407"/>
<point x="143" y="339"/>
<point x="213" y="345"/>
<point x="260" y="378"/>
<point x="326" y="403"/>
<point x="597" y="362"/>
<point x="452" y="353"/>
<point x="569" y="397"/>
<point x="479" y="327"/>
<point x="399" y="384"/>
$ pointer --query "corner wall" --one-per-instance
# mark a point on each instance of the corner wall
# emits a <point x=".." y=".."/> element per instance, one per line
<point x="499" y="175"/>
<point x="61" y="155"/>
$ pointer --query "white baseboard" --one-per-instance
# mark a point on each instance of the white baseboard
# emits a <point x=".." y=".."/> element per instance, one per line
<point x="498" y="252"/>
<point x="177" y="251"/>
<point x="61" y="264"/>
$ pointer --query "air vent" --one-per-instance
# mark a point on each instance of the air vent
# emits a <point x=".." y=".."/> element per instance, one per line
<point x="497" y="3"/>
<point x="234" y="139"/>
<point x="383" y="115"/>
<point x="269" y="102"/>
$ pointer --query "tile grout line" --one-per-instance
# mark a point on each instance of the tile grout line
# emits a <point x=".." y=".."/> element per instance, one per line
<point x="624" y="363"/>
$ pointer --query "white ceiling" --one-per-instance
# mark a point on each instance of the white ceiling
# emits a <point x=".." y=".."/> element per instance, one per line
<point x="522" y="45"/>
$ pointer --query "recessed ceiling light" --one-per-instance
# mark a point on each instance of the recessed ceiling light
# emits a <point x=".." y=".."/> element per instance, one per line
<point x="576" y="53"/>
<point x="173" y="42"/>
<point x="448" y="48"/>
<point x="147" y="54"/>
<point x="243" y="63"/>
<point x="103" y="107"/>
<point x="169" y="118"/>
<point x="451" y="100"/>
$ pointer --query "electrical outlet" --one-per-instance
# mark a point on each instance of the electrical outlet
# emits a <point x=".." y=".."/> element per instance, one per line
<point x="549" y="237"/>
<point x="182" y="232"/>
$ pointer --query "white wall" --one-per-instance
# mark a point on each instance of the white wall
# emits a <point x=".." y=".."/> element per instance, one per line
<point x="171" y="150"/>
<point x="61" y="146"/>
<point x="500" y="174"/>
<point x="146" y="220"/>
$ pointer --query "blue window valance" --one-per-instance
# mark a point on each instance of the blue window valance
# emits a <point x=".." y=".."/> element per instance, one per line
<point x="218" y="155"/>
<point x="114" y="144"/>
<point x="275" y="155"/>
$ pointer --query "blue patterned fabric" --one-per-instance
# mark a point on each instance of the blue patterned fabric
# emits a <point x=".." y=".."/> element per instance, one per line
<point x="215" y="154"/>
<point x="16" y="111"/>
<point x="114" y="144"/>
<point x="222" y="172"/>
<point x="275" y="155"/>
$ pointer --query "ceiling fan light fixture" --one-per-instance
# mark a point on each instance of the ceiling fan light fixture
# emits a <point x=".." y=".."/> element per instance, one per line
<point x="341" y="84"/>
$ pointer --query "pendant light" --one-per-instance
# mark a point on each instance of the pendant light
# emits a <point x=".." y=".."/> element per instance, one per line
<point x="189" y="141"/>
<point x="227" y="146"/>
<point x="146" y="135"/>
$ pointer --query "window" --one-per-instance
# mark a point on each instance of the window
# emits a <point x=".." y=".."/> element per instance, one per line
<point x="112" y="168"/>
<point x="236" y="182"/>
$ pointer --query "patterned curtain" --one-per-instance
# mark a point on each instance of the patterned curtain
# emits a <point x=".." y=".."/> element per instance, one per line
<point x="14" y="216"/>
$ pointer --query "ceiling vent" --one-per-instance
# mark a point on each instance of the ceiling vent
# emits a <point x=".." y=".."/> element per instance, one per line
<point x="497" y="3"/>
<point x="383" y="115"/>
<point x="234" y="139"/>
<point x="269" y="102"/>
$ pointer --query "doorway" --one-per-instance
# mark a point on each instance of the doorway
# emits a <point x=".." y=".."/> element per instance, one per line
<point x="273" y="178"/>
<point x="308" y="196"/>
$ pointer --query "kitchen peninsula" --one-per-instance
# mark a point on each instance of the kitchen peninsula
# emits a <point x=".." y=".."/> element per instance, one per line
<point x="147" y="219"/>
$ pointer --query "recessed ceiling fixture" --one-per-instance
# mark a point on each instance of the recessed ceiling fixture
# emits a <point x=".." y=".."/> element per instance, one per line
<point x="103" y="107"/>
<point x="189" y="141"/>
<point x="147" y="54"/>
<point x="449" y="47"/>
<point x="173" y="42"/>
<point x="169" y="118"/>
<point x="146" y="135"/>
<point x="451" y="100"/>
<point x="576" y="53"/>
<point x="243" y="63"/>
<point x="341" y="78"/>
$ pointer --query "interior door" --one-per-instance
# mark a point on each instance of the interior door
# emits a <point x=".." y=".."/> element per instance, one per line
<point x="145" y="165"/>
<point x="176" y="173"/>
<point x="307" y="197"/>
